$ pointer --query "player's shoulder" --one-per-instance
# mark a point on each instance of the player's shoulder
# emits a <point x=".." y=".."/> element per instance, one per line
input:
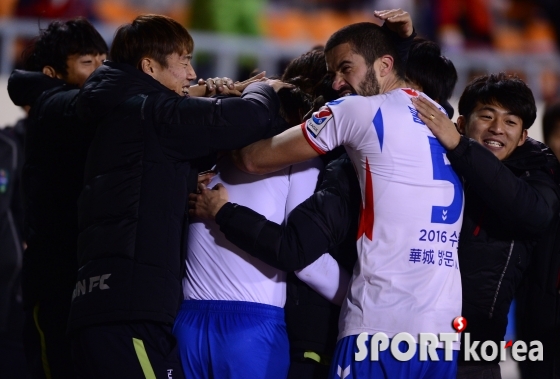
<point x="407" y="93"/>
<point x="348" y="101"/>
<point x="353" y="106"/>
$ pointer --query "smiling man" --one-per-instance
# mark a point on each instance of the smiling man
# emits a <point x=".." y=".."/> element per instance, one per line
<point x="511" y="203"/>
<point x="57" y="63"/>
<point x="133" y="220"/>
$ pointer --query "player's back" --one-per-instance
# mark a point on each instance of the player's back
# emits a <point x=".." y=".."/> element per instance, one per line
<point x="216" y="268"/>
<point x="407" y="277"/>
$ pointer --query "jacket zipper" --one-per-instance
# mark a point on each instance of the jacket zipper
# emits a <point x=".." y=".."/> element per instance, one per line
<point x="501" y="278"/>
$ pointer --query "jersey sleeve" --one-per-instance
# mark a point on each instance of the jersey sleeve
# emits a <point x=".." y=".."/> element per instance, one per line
<point x="303" y="182"/>
<point x="327" y="278"/>
<point x="342" y="122"/>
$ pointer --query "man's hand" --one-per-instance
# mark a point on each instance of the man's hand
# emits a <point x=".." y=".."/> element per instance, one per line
<point x="222" y="86"/>
<point x="217" y="84"/>
<point x="278" y="84"/>
<point x="207" y="202"/>
<point x="205" y="177"/>
<point x="443" y="128"/>
<point x="397" y="20"/>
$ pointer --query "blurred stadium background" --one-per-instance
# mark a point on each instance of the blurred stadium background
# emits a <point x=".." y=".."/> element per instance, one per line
<point x="234" y="37"/>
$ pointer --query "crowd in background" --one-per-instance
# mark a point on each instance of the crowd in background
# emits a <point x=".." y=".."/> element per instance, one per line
<point x="507" y="26"/>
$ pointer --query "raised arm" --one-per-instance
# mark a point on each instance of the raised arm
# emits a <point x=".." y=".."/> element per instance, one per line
<point x="275" y="153"/>
<point x="194" y="127"/>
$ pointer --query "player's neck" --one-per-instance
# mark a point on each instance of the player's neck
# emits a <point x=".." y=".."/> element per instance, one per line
<point x="392" y="82"/>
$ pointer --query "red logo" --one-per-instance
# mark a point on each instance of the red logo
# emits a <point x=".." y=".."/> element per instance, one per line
<point x="321" y="115"/>
<point x="459" y="323"/>
<point x="411" y="92"/>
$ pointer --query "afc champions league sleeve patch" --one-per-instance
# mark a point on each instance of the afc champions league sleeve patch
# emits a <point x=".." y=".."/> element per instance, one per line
<point x="318" y="121"/>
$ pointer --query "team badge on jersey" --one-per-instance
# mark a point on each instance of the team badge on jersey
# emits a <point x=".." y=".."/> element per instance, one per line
<point x="318" y="121"/>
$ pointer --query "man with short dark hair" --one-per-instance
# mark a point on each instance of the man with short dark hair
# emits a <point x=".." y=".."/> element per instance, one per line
<point x="58" y="62"/>
<point x="133" y="208"/>
<point x="511" y="205"/>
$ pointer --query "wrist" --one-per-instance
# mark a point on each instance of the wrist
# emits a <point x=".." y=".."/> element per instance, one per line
<point x="454" y="142"/>
<point x="197" y="91"/>
<point x="224" y="213"/>
<point x="217" y="207"/>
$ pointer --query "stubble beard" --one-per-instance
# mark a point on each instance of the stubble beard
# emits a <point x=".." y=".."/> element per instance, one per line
<point x="369" y="86"/>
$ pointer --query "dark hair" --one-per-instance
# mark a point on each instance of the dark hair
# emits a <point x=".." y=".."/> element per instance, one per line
<point x="60" y="40"/>
<point x="550" y="120"/>
<point x="433" y="72"/>
<point x="368" y="40"/>
<point x="294" y="103"/>
<point x="507" y="91"/>
<point x="150" y="35"/>
<point x="309" y="73"/>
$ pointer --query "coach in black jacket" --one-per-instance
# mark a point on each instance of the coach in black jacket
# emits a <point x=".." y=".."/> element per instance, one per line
<point x="133" y="217"/>
<point x="511" y="201"/>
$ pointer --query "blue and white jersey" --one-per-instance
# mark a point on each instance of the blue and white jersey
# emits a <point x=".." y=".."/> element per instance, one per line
<point x="406" y="278"/>
<point x="219" y="270"/>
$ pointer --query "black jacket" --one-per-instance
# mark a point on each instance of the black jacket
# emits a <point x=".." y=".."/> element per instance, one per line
<point x="11" y="155"/>
<point x="509" y="205"/>
<point x="55" y="153"/>
<point x="134" y="206"/>
<point x="313" y="227"/>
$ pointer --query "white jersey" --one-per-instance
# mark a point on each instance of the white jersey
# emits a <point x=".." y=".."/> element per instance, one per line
<point x="216" y="268"/>
<point x="406" y="278"/>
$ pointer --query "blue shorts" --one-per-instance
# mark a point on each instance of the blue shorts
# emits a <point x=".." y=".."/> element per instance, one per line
<point x="387" y="367"/>
<point x="232" y="339"/>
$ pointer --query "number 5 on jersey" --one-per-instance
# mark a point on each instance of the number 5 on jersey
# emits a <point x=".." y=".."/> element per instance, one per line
<point x="443" y="171"/>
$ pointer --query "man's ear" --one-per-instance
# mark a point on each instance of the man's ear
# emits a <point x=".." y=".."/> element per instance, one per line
<point x="386" y="63"/>
<point x="147" y="66"/>
<point x="51" y="72"/>
<point x="461" y="124"/>
<point x="523" y="138"/>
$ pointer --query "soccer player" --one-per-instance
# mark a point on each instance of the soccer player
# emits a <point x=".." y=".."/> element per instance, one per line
<point x="133" y="208"/>
<point x="233" y="301"/>
<point x="408" y="255"/>
<point x="57" y="63"/>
